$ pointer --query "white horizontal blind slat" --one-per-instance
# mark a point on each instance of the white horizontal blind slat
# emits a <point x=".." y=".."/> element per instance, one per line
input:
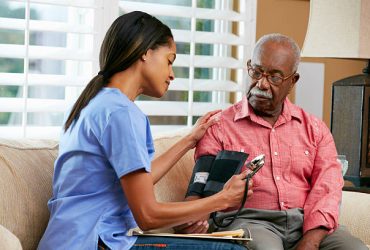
<point x="37" y="25"/>
<point x="12" y="23"/>
<point x="44" y="52"/>
<point x="33" y="105"/>
<point x="163" y="108"/>
<point x="181" y="84"/>
<point x="200" y="108"/>
<point x="209" y="61"/>
<point x="60" y="27"/>
<point x="208" y="37"/>
<point x="11" y="104"/>
<point x="70" y="3"/>
<point x="220" y="85"/>
<point x="181" y="11"/>
<point x="18" y="79"/>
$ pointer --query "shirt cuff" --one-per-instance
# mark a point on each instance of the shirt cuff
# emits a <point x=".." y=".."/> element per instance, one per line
<point x="317" y="220"/>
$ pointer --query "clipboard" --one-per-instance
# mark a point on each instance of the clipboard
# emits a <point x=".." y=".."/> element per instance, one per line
<point x="238" y="235"/>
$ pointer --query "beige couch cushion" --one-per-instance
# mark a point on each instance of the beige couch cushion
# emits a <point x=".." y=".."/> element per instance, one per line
<point x="355" y="214"/>
<point x="167" y="189"/>
<point x="26" y="169"/>
<point x="8" y="240"/>
<point x="173" y="186"/>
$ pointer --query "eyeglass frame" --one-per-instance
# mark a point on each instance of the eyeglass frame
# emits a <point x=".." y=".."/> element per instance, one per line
<point x="266" y="75"/>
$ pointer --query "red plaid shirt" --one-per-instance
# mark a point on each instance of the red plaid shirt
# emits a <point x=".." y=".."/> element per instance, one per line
<point x="301" y="168"/>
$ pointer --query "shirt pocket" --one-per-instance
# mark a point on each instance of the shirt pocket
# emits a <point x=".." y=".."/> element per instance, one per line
<point x="301" y="165"/>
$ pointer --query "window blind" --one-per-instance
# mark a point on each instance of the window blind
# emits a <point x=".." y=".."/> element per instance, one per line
<point x="49" y="51"/>
<point x="213" y="39"/>
<point x="46" y="57"/>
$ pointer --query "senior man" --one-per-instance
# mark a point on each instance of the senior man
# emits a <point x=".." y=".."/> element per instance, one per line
<point x="296" y="196"/>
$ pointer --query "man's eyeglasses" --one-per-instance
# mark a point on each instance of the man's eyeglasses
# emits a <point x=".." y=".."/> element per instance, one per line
<point x="258" y="74"/>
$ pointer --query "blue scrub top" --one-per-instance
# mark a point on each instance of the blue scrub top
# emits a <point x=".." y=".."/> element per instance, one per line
<point x="110" y="139"/>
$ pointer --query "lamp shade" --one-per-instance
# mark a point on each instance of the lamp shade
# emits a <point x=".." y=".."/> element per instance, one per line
<point x="338" y="29"/>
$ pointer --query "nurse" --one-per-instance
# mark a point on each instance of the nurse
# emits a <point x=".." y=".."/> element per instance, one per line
<point x="104" y="174"/>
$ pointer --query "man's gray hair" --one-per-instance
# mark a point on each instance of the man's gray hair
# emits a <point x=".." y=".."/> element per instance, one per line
<point x="280" y="39"/>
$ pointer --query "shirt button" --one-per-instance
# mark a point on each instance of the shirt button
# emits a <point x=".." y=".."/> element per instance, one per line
<point x="306" y="152"/>
<point x="275" y="153"/>
<point x="282" y="203"/>
<point x="273" y="130"/>
<point x="277" y="178"/>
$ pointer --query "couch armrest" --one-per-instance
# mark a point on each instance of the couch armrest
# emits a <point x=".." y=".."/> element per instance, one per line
<point x="8" y="240"/>
<point x="355" y="214"/>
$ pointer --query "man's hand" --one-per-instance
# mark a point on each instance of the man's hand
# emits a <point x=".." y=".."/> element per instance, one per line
<point x="196" y="227"/>
<point x="311" y="239"/>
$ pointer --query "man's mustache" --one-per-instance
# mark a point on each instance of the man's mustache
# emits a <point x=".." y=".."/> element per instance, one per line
<point x="258" y="92"/>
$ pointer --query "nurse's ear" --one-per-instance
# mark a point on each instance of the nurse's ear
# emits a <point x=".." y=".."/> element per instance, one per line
<point x="144" y="57"/>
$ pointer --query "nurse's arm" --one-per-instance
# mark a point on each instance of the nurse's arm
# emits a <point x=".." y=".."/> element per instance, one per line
<point x="167" y="160"/>
<point x="150" y="214"/>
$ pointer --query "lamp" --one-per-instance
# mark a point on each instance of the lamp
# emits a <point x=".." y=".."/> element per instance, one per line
<point x="338" y="29"/>
<point x="341" y="29"/>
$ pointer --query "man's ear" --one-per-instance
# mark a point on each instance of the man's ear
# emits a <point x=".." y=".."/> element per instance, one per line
<point x="296" y="77"/>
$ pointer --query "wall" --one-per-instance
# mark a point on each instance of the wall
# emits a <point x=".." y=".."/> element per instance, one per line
<point x="290" y="17"/>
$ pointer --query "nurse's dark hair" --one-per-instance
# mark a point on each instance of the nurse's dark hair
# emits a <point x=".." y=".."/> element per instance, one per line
<point x="129" y="37"/>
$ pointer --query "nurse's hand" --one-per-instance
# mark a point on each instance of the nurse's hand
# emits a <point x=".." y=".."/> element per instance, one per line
<point x="193" y="227"/>
<point x="201" y="126"/>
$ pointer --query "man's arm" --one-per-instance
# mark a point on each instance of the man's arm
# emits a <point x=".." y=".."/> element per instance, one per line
<point x="321" y="210"/>
<point x="311" y="239"/>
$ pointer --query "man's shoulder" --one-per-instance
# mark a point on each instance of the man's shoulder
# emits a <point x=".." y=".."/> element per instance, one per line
<point x="230" y="112"/>
<point x="311" y="122"/>
<point x="304" y="115"/>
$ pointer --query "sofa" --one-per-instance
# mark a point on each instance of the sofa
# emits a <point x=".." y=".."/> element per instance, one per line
<point x="26" y="169"/>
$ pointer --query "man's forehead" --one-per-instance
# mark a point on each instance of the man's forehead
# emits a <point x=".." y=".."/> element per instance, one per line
<point x="278" y="59"/>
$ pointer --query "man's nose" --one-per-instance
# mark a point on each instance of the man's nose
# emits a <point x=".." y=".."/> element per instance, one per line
<point x="263" y="83"/>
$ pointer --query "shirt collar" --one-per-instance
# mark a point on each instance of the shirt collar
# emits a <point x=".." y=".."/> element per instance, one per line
<point x="244" y="109"/>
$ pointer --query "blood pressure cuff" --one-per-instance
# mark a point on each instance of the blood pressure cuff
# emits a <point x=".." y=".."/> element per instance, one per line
<point x="200" y="175"/>
<point x="211" y="173"/>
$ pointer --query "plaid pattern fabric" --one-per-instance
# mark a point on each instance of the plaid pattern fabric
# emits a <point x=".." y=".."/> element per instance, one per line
<point x="300" y="171"/>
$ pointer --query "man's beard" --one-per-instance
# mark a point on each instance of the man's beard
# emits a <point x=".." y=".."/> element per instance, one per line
<point x="254" y="91"/>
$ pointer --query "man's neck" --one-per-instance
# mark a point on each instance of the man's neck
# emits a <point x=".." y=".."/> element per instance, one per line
<point x="271" y="118"/>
